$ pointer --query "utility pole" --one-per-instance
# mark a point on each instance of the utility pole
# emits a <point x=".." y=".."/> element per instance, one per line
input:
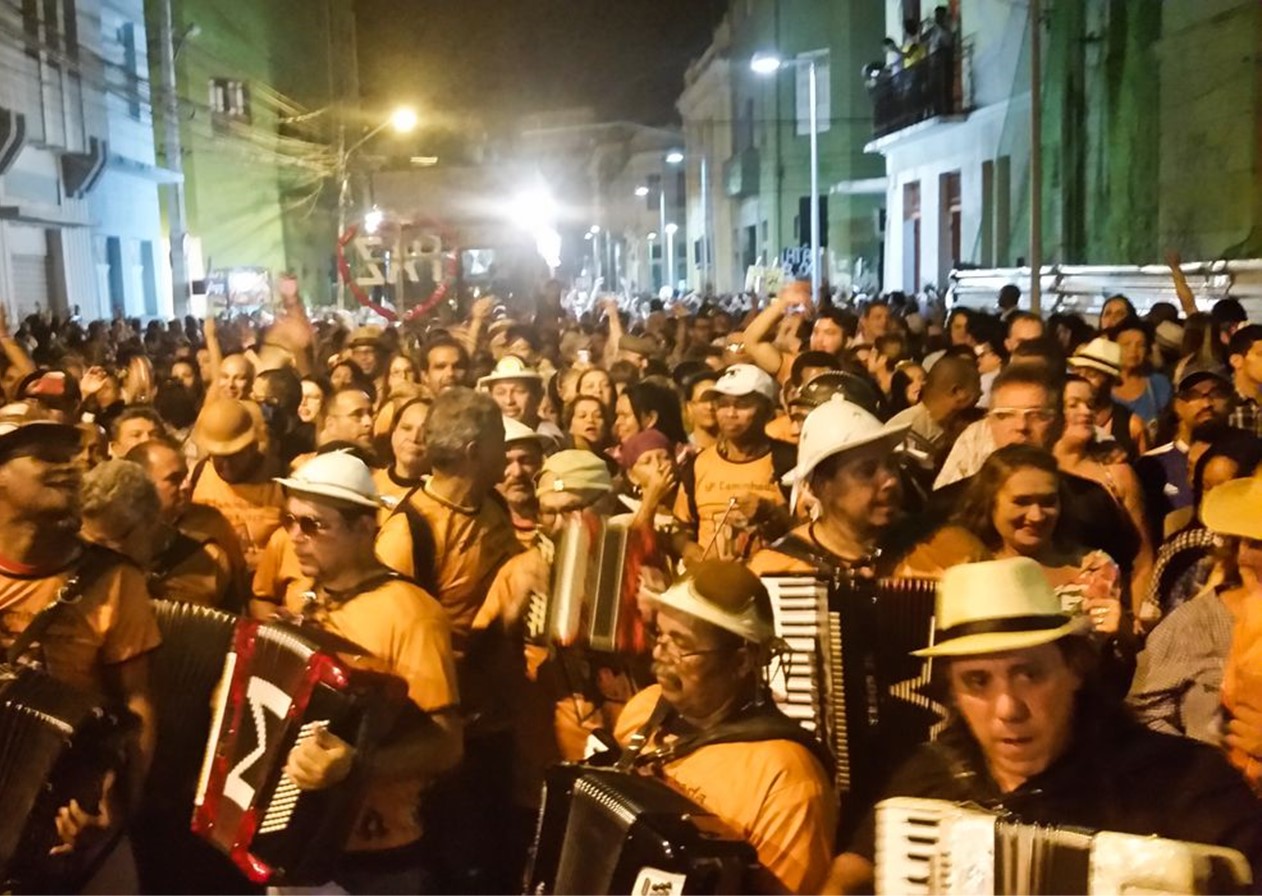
<point x="343" y="189"/>
<point x="1036" y="156"/>
<point x="177" y="225"/>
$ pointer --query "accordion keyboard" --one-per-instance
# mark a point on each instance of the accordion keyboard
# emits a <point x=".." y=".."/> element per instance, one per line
<point x="800" y="606"/>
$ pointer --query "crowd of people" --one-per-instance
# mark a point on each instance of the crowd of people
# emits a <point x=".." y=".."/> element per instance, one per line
<point x="1084" y="490"/>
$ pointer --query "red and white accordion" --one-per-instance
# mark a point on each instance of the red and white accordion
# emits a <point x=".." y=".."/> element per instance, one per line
<point x="587" y="605"/>
<point x="934" y="846"/>
<point x="281" y="683"/>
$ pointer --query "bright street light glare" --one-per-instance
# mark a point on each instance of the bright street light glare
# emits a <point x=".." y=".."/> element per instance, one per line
<point x="672" y="229"/>
<point x="652" y="235"/>
<point x="674" y="157"/>
<point x="372" y="220"/>
<point x="641" y="191"/>
<point x="403" y="119"/>
<point x="595" y="229"/>
<point x="765" y="64"/>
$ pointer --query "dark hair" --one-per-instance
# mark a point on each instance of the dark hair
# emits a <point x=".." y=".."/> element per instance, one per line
<point x="976" y="511"/>
<point x="1242" y="340"/>
<point x="900" y="382"/>
<point x="660" y="398"/>
<point x="440" y="342"/>
<point x="1009" y="296"/>
<point x="578" y="384"/>
<point x="706" y="375"/>
<point x="1234" y="444"/>
<point x="848" y="321"/>
<point x="1118" y="297"/>
<point x="176" y="404"/>
<point x="809" y="359"/>
<point x="359" y="379"/>
<point x="136" y="412"/>
<point x="1027" y="375"/>
<point x="286" y="389"/>
<point x="567" y="413"/>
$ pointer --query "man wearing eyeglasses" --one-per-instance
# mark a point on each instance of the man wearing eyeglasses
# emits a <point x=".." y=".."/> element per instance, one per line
<point x="330" y="516"/>
<point x="709" y="728"/>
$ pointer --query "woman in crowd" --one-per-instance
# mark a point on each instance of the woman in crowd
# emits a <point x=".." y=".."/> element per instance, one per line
<point x="315" y="392"/>
<point x="905" y="386"/>
<point x="1116" y="309"/>
<point x="407" y="452"/>
<point x="595" y="381"/>
<point x="1139" y="388"/>
<point x="649" y="405"/>
<point x="650" y="474"/>
<point x="587" y="422"/>
<point x="1078" y="454"/>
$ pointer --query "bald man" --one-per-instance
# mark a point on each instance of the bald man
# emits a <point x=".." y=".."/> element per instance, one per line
<point x="951" y="388"/>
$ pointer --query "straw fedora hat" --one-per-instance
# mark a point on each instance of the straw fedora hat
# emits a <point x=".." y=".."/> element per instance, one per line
<point x="997" y="606"/>
<point x="225" y="426"/>
<point x="510" y="367"/>
<point x="1100" y="354"/>
<point x="338" y="475"/>
<point x="1235" y="508"/>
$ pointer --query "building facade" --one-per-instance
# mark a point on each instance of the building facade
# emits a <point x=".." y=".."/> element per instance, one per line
<point x="1152" y="116"/>
<point x="754" y="133"/>
<point x="78" y="194"/>
<point x="264" y="91"/>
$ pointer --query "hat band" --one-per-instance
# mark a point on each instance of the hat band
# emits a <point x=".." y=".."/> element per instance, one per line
<point x="1006" y="624"/>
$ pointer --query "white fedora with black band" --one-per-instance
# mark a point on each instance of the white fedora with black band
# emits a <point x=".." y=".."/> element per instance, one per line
<point x="997" y="606"/>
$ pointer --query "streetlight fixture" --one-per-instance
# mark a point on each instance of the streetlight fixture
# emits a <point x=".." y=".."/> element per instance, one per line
<point x="767" y="64"/>
<point x="641" y="191"/>
<point x="674" y="157"/>
<point x="403" y="119"/>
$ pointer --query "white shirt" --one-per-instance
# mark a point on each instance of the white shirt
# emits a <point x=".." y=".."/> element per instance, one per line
<point x="967" y="455"/>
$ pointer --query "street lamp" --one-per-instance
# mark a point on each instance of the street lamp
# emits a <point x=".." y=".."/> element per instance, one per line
<point x="767" y="64"/>
<point x="641" y="191"/>
<point x="403" y="119"/>
<point x="674" y="157"/>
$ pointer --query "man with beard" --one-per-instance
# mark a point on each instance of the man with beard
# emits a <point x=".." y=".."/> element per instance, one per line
<point x="444" y="363"/>
<point x="98" y="642"/>
<point x="524" y="452"/>
<point x="847" y="474"/>
<point x="710" y="729"/>
<point x="236" y="477"/>
<point x="1203" y="394"/>
<point x="729" y="496"/>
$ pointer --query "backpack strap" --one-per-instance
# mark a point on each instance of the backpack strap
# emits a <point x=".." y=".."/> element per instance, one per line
<point x="92" y="563"/>
<point x="424" y="547"/>
<point x="797" y="547"/>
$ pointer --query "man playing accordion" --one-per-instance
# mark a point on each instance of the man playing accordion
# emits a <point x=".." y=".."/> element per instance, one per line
<point x="1034" y="735"/>
<point x="709" y="728"/>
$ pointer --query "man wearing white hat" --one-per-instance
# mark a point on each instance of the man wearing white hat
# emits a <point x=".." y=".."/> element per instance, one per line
<point x="845" y="468"/>
<point x="331" y="509"/>
<point x="729" y="498"/>
<point x="709" y="726"/>
<point x="518" y="389"/>
<point x="1033" y="735"/>
<point x="524" y="455"/>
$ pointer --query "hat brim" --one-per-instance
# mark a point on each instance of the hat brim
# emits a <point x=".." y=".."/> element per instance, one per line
<point x="891" y="438"/>
<point x="38" y="431"/>
<point x="714" y="392"/>
<point x="1232" y="509"/>
<point x="683" y="598"/>
<point x="224" y="449"/>
<point x="1094" y="364"/>
<point x="324" y="490"/>
<point x="1198" y="376"/>
<point x="1002" y="642"/>
<point x="491" y="378"/>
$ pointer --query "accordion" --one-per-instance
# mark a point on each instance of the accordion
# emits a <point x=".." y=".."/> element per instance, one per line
<point x="604" y="831"/>
<point x="185" y="670"/>
<point x="847" y="673"/>
<point x="281" y="683"/>
<point x="586" y="605"/>
<point x="57" y="743"/>
<point x="934" y="846"/>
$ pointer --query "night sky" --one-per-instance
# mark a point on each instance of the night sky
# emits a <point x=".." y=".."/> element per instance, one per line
<point x="496" y="58"/>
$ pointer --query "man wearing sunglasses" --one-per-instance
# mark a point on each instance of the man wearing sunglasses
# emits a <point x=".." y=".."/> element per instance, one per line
<point x="710" y="729"/>
<point x="330" y="516"/>
<point x="99" y="643"/>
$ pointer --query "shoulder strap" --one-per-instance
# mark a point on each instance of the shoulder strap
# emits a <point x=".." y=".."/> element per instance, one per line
<point x="784" y="457"/>
<point x="688" y="482"/>
<point x="181" y="548"/>
<point x="91" y="565"/>
<point x="799" y="548"/>
<point x="196" y="475"/>
<point x="635" y="746"/>
<point x="424" y="548"/>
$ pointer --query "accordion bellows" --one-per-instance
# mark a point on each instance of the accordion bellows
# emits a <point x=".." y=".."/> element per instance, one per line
<point x="934" y="846"/>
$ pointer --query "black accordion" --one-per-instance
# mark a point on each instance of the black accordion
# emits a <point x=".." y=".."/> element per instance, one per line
<point x="934" y="846"/>
<point x="604" y="831"/>
<point x="585" y="605"/>
<point x="847" y="673"/>
<point x="184" y="672"/>
<point x="282" y="683"/>
<point x="57" y="743"/>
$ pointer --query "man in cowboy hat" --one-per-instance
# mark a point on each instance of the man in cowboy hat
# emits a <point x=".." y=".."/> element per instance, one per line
<point x="331" y="507"/>
<point x="1032" y="734"/>
<point x="518" y="389"/>
<point x="846" y="474"/>
<point x="712" y="730"/>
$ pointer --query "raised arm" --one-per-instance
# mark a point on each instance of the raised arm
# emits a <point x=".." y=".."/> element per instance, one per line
<point x="1186" y="299"/>
<point x="13" y="350"/>
<point x="610" y="306"/>
<point x="757" y="342"/>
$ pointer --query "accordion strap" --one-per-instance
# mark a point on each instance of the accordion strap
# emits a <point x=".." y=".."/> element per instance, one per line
<point x="635" y="746"/>
<point x="90" y="564"/>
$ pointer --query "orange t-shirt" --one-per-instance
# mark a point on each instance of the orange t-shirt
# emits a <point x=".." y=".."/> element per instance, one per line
<point x="111" y="623"/>
<point x="717" y="482"/>
<point x="773" y="793"/>
<point x="469" y="548"/>
<point x="781" y="428"/>
<point x="253" y="508"/>
<point x="406" y="631"/>
<point x="279" y="579"/>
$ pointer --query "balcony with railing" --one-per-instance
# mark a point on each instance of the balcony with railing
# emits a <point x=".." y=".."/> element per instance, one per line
<point x="928" y="88"/>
